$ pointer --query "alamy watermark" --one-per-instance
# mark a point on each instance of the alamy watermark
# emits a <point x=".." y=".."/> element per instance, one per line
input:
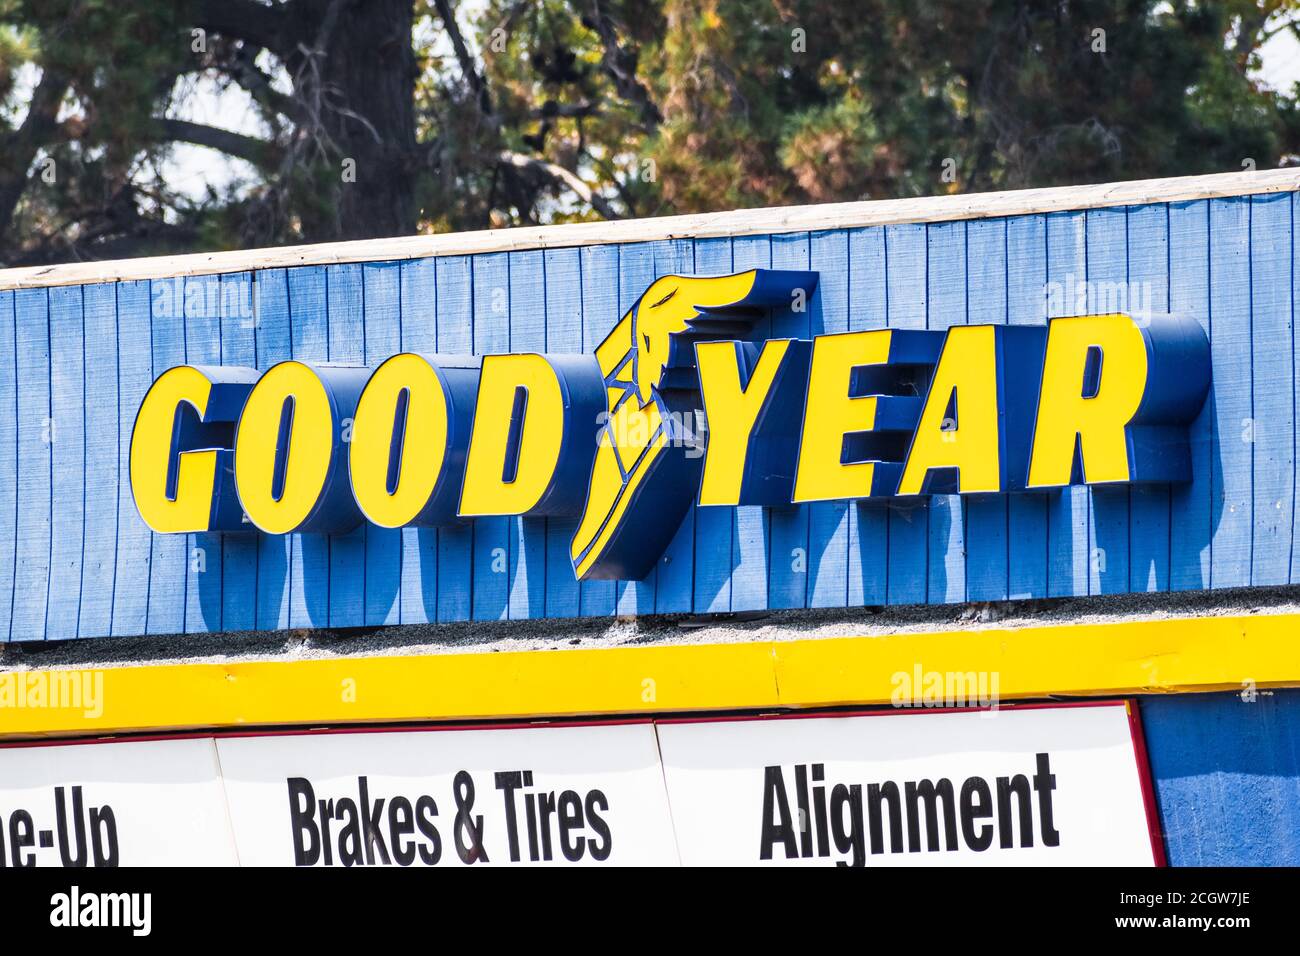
<point x="637" y="428"/>
<point x="1077" y="296"/>
<point x="230" y="298"/>
<point x="78" y="908"/>
<point x="54" y="690"/>
<point x="921" y="688"/>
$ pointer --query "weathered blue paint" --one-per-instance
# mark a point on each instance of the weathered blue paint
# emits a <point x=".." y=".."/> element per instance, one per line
<point x="381" y="287"/>
<point x="239" y="552"/>
<point x="1147" y="239"/>
<point x="1068" y="554"/>
<point x="419" y="333"/>
<point x="946" y="306"/>
<point x="907" y="307"/>
<point x="1227" y="777"/>
<point x="275" y="553"/>
<point x="309" y="583"/>
<point x="828" y="522"/>
<point x="75" y="560"/>
<point x="987" y="520"/>
<point x="868" y="520"/>
<point x="751" y="525"/>
<point x="204" y="584"/>
<point x="563" y="300"/>
<point x="527" y="535"/>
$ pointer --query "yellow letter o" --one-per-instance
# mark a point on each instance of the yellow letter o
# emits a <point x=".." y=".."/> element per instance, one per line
<point x="309" y="447"/>
<point x="423" y="440"/>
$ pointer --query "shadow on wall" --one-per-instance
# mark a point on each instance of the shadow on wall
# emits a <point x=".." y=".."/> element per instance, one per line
<point x="1227" y="776"/>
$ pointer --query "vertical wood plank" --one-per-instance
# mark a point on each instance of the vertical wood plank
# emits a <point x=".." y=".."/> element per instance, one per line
<point x="345" y="308"/>
<point x="169" y="565"/>
<point x="491" y="535"/>
<point x="527" y="535"/>
<point x="239" y="552"/>
<point x="599" y="283"/>
<point x="636" y="270"/>
<point x="1232" y="464"/>
<point x="987" y="561"/>
<point x="1294" y="573"/>
<point x="868" y="530"/>
<point x="1108" y="526"/>
<point x="455" y="286"/>
<point x="273" y="343"/>
<point x="419" y="333"/>
<point x="32" y="561"/>
<point x="1067" y="515"/>
<point x="132" y="563"/>
<point x="381" y="290"/>
<point x="713" y="526"/>
<point x="674" y="580"/>
<point x="751" y="524"/>
<point x="309" y="565"/>
<point x="1027" y="305"/>
<point x="790" y="556"/>
<point x="68" y="463"/>
<point x="906" y="307"/>
<point x="203" y="561"/>
<point x="1192" y="505"/>
<point x="1148" y="273"/>
<point x="8" y="460"/>
<point x="828" y="522"/>
<point x="946" y="307"/>
<point x="1273" y="389"/>
<point x="563" y="296"/>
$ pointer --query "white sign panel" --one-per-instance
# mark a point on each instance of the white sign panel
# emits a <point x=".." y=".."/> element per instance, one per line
<point x="1021" y="786"/>
<point x="1024" y="785"/>
<point x="146" y="803"/>
<point x="532" y="795"/>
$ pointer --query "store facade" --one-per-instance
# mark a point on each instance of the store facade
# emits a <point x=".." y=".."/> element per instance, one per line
<point x="959" y="401"/>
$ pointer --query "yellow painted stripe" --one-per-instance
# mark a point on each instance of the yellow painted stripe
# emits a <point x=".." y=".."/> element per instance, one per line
<point x="1177" y="655"/>
<point x="1195" y="654"/>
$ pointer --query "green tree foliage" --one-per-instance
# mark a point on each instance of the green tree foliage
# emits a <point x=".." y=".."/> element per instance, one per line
<point x="385" y="117"/>
<point x="1012" y="93"/>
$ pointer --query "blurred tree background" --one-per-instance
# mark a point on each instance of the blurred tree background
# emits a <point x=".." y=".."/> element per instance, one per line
<point x="368" y="118"/>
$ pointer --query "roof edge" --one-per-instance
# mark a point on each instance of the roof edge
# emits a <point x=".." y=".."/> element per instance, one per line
<point x="777" y="219"/>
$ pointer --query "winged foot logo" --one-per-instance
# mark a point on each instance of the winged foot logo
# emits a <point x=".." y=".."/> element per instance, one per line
<point x="648" y="366"/>
<point x="609" y="439"/>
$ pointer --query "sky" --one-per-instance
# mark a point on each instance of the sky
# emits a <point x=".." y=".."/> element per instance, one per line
<point x="1281" y="61"/>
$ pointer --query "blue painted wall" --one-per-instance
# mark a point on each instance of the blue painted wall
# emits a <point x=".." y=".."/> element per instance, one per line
<point x="1227" y="776"/>
<point x="75" y="560"/>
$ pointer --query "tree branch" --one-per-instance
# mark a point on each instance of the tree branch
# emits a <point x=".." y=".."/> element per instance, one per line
<point x="19" y="148"/>
<point x="257" y="151"/>
<point x="465" y="59"/>
<point x="259" y="23"/>
<point x="243" y="69"/>
<point x="108" y="242"/>
<point x="551" y="109"/>
<point x="562" y="176"/>
<point x="328" y="23"/>
<point x="619" y="64"/>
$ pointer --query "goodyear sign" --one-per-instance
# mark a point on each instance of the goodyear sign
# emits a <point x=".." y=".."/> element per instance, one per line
<point x="611" y="438"/>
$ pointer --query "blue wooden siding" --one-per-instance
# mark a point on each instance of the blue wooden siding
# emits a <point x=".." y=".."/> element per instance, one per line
<point x="1227" y="777"/>
<point x="272" y="344"/>
<point x="75" y="560"/>
<point x="33" y="454"/>
<point x="987" y="516"/>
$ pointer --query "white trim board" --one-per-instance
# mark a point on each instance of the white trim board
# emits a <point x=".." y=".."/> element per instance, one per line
<point x="780" y="219"/>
